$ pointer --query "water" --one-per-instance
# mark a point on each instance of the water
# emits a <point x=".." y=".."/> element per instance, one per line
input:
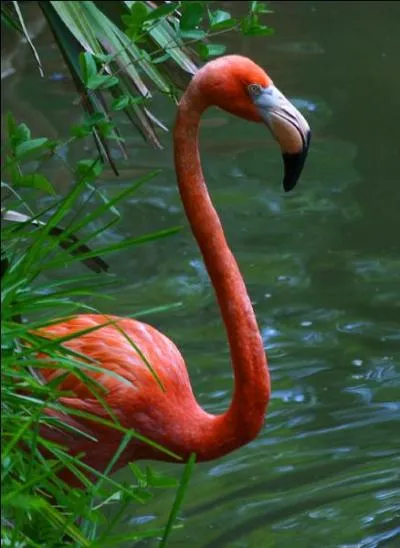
<point x="322" y="266"/>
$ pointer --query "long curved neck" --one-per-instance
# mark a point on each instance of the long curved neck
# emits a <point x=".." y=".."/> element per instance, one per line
<point x="245" y="416"/>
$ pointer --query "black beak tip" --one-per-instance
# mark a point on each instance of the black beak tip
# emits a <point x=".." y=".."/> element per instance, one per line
<point x="289" y="181"/>
<point x="293" y="165"/>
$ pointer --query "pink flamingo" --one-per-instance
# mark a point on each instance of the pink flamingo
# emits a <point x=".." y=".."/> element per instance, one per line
<point x="172" y="417"/>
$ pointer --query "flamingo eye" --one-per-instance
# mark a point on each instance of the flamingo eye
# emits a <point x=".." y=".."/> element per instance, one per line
<point x="254" y="90"/>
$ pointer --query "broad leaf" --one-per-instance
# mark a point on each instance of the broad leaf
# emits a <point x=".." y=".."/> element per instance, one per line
<point x="37" y="181"/>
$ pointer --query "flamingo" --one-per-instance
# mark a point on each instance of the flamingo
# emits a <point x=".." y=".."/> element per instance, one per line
<point x="171" y="416"/>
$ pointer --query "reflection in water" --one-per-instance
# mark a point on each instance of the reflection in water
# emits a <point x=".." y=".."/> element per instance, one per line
<point x="322" y="267"/>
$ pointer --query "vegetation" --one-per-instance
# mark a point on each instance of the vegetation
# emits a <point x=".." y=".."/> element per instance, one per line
<point x="29" y="482"/>
<point x="122" y="54"/>
<point x="149" y="49"/>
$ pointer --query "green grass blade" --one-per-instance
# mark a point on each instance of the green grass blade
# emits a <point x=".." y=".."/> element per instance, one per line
<point x="119" y="246"/>
<point x="180" y="494"/>
<point x="28" y="38"/>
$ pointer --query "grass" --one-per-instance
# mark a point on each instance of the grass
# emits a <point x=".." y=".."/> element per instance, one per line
<point x="38" y="508"/>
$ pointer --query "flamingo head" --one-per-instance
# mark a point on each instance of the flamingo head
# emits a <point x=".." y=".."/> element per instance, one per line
<point x="239" y="86"/>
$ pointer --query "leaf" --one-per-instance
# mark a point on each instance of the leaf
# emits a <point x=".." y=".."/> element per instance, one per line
<point x="220" y="19"/>
<point x="259" y="7"/>
<point x="97" y="33"/>
<point x="251" y="27"/>
<point x="138" y="11"/>
<point x="81" y="131"/>
<point x="76" y="22"/>
<point x="21" y="133"/>
<point x="227" y="24"/>
<point x="122" y="446"/>
<point x="160" y="480"/>
<point x="104" y="58"/>
<point x="96" y="118"/>
<point x="259" y="30"/>
<point x="136" y="19"/>
<point x="88" y="66"/>
<point x="93" y="263"/>
<point x="162" y="11"/>
<point x="192" y="15"/>
<point x="28" y="39"/>
<point x="210" y="50"/>
<point x="37" y="181"/>
<point x="140" y="476"/>
<point x="120" y="102"/>
<point x="8" y="19"/>
<point x="195" y="34"/>
<point x="102" y="81"/>
<point x="119" y="246"/>
<point x="27" y="502"/>
<point x="11" y="125"/>
<point x="187" y="472"/>
<point x="88" y="169"/>
<point x="31" y="146"/>
<point x="168" y="39"/>
<point x="162" y="58"/>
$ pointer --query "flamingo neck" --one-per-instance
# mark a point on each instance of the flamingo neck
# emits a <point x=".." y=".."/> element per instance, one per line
<point x="245" y="416"/>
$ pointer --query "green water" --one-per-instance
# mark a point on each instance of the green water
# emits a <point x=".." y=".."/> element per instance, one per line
<point x="322" y="266"/>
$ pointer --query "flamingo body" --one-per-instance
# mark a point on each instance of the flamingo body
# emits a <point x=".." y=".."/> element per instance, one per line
<point x="171" y="416"/>
<point x="132" y="392"/>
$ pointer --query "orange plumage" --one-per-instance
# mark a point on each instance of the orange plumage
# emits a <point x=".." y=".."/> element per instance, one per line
<point x="171" y="416"/>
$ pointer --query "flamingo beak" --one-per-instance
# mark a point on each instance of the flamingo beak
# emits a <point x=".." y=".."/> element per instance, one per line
<point x="289" y="127"/>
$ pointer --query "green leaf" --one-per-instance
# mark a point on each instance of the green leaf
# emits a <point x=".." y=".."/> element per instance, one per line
<point x="102" y="81"/>
<point x="104" y="58"/>
<point x="192" y="15"/>
<point x="27" y="502"/>
<point x="11" y="125"/>
<point x="251" y="27"/>
<point x="138" y="11"/>
<point x="195" y="34"/>
<point x="259" y="30"/>
<point x="259" y="7"/>
<point x="162" y="11"/>
<point x="120" y="102"/>
<point x="160" y="480"/>
<point x="35" y="180"/>
<point x="96" y="118"/>
<point x="88" y="66"/>
<point x="23" y="132"/>
<point x="136" y="19"/>
<point x="210" y="50"/>
<point x="162" y="58"/>
<point x="81" y="131"/>
<point x="220" y="19"/>
<point x="167" y="35"/>
<point x="119" y="246"/>
<point x="88" y="169"/>
<point x="122" y="446"/>
<point x="20" y="134"/>
<point x="27" y="36"/>
<point x="178" y="499"/>
<point x="127" y="20"/>
<point x="140" y="476"/>
<point x="107" y="130"/>
<point x="31" y="146"/>
<point x="10" y="21"/>
<point x="227" y="24"/>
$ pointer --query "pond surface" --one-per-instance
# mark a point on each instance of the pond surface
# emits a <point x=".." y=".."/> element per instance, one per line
<point x="322" y="266"/>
